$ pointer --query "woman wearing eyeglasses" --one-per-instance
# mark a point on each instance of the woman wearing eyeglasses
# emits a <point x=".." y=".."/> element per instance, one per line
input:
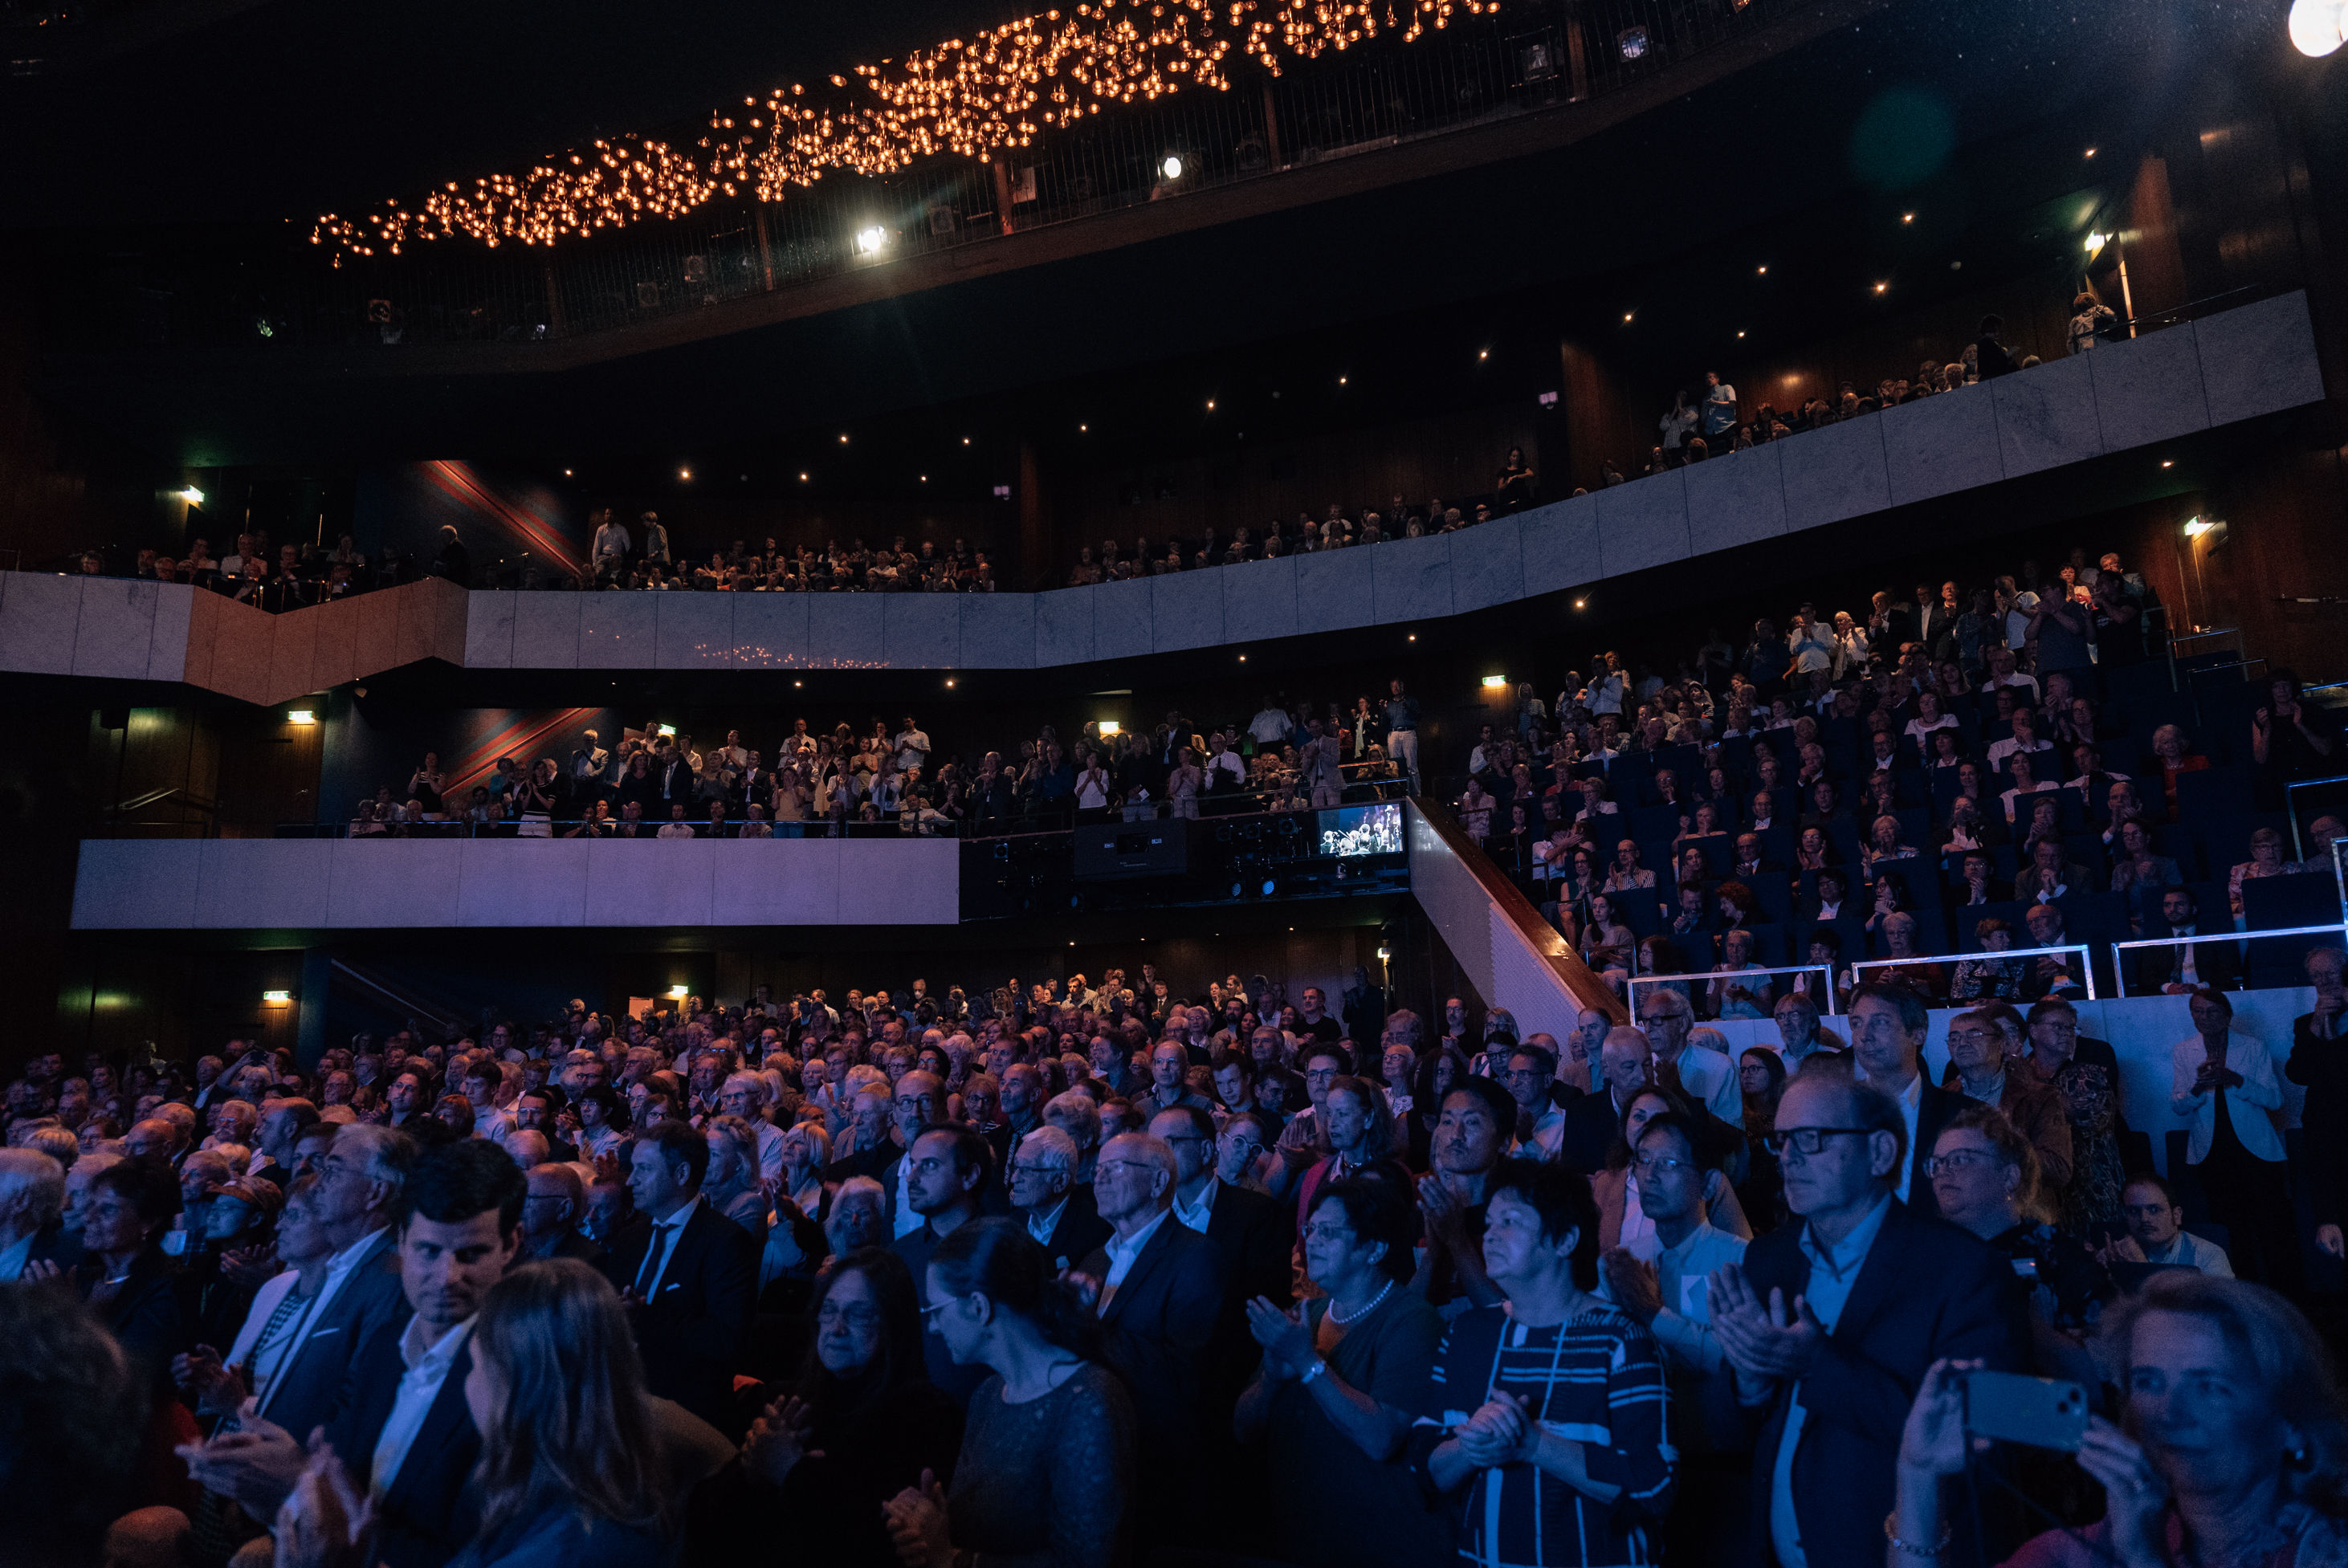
<point x="1046" y="1468"/>
<point x="1985" y="1176"/>
<point x="862" y="1424"/>
<point x="1334" y="1394"/>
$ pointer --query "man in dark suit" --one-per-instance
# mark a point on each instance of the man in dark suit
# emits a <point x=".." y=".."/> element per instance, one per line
<point x="946" y="1171"/>
<point x="360" y="1181"/>
<point x="550" y="1219"/>
<point x="2176" y="970"/>
<point x="1047" y="1197"/>
<point x="1158" y="1286"/>
<point x="402" y="1427"/>
<point x="1752" y="859"/>
<point x="1251" y="1232"/>
<point x="1884" y="1290"/>
<point x="1594" y="1122"/>
<point x="1887" y="1026"/>
<point x="689" y="1278"/>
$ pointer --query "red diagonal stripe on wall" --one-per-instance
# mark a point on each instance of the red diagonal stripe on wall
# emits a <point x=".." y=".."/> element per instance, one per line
<point x="519" y="740"/>
<point x="460" y="484"/>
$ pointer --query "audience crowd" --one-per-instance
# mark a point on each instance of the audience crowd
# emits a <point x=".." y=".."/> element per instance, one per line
<point x="655" y="784"/>
<point x="1706" y="419"/>
<point x="1066" y="1274"/>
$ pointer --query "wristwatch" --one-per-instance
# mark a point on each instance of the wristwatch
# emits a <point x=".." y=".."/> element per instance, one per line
<point x="1319" y="1366"/>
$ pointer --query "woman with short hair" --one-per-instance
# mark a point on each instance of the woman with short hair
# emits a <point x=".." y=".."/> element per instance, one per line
<point x="1339" y="1374"/>
<point x="2231" y="1445"/>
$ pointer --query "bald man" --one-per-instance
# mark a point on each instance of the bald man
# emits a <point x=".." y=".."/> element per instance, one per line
<point x="1626" y="1063"/>
<point x="550" y="1214"/>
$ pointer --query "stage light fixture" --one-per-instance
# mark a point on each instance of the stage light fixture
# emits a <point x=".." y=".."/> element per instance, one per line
<point x="2318" y="26"/>
<point x="868" y="242"/>
<point x="1172" y="166"/>
<point x="192" y="495"/>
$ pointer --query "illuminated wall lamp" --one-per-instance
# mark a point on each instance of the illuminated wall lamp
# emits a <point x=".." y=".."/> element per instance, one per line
<point x="277" y="999"/>
<point x="1111" y="727"/>
<point x="2195" y="527"/>
<point x="1494" y="682"/>
<point x="192" y="495"/>
<point x="678" y="993"/>
<point x="303" y="716"/>
<point x="870" y="242"/>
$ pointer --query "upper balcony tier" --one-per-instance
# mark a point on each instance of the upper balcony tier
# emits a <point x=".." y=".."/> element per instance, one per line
<point x="2240" y="364"/>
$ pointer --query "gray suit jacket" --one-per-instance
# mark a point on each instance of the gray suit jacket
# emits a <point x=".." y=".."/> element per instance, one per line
<point x="370" y="1303"/>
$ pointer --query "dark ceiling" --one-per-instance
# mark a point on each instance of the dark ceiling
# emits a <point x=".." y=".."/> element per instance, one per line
<point x="200" y="111"/>
<point x="1657" y="214"/>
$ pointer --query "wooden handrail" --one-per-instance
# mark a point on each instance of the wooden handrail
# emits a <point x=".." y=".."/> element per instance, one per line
<point x="1579" y="981"/>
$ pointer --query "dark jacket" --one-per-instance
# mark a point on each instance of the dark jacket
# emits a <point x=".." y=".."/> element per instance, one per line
<point x="1933" y="1113"/>
<point x="428" y="1515"/>
<point x="690" y="1333"/>
<point x="1591" y="1127"/>
<point x="2214" y="959"/>
<point x="1926" y="1290"/>
<point x="1155" y="1330"/>
<point x="1079" y="1231"/>
<point x="370" y="1305"/>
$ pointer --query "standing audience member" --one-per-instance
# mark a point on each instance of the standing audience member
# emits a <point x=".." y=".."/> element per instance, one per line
<point x="2224" y="1083"/>
<point x="1511" y="1382"/>
<point x="1832" y="1321"/>
<point x="1046" y="1472"/>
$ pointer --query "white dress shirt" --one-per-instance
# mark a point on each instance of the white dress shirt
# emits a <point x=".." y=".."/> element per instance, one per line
<point x="1122" y="1253"/>
<point x="1199" y="1216"/>
<point x="1911" y="1104"/>
<point x="427" y="1369"/>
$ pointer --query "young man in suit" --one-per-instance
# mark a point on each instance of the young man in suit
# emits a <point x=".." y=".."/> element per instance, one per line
<point x="689" y="1278"/>
<point x="1887" y="1026"/>
<point x="1831" y="1322"/>
<point x="402" y="1427"/>
<point x="1157" y="1286"/>
<point x="2180" y="970"/>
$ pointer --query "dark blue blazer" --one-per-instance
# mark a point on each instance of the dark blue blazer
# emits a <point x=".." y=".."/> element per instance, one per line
<point x="1927" y="1290"/>
<point x="370" y="1305"/>
<point x="690" y="1333"/>
<point x="1155" y="1332"/>
<point x="429" y="1514"/>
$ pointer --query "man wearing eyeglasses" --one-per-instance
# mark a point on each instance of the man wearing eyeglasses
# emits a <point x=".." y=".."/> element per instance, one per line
<point x="1663" y="1279"/>
<point x="1985" y="1067"/>
<point x="1831" y="1323"/>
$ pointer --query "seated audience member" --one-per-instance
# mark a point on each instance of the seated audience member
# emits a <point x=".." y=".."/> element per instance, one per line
<point x="2181" y="969"/>
<point x="859" y="1426"/>
<point x="2228" y="1448"/>
<point x="272" y="1328"/>
<point x="1058" y="1214"/>
<point x="1338" y="1384"/>
<point x="1887" y="1293"/>
<point x="2156" y="1233"/>
<point x="1047" y="1467"/>
<point x="1509" y="1381"/>
<point x="123" y="1276"/>
<point x="2051" y="974"/>
<point x="552" y="1213"/>
<point x="688" y="1277"/>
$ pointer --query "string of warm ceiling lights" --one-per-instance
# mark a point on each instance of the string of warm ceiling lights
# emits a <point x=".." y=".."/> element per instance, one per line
<point x="969" y="98"/>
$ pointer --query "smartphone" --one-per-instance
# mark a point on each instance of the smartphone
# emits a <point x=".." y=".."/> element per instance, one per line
<point x="2008" y="1407"/>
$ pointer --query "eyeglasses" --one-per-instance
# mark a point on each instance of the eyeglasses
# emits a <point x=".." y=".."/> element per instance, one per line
<point x="1959" y="1159"/>
<point x="1328" y="1233"/>
<point x="1807" y="1140"/>
<point x="1957" y="1034"/>
<point x="863" y="1319"/>
<point x="1659" y="1164"/>
<point x="1031" y="1168"/>
<point x="941" y="1304"/>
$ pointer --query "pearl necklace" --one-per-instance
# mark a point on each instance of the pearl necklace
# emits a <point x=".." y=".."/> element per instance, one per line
<point x="1341" y="1321"/>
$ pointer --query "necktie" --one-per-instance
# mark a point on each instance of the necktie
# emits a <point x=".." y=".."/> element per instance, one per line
<point x="655" y="1260"/>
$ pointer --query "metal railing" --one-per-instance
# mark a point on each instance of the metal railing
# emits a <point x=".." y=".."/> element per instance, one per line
<point x="2086" y="961"/>
<point x="1706" y="978"/>
<point x="2298" y="843"/>
<point x="2229" y="939"/>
